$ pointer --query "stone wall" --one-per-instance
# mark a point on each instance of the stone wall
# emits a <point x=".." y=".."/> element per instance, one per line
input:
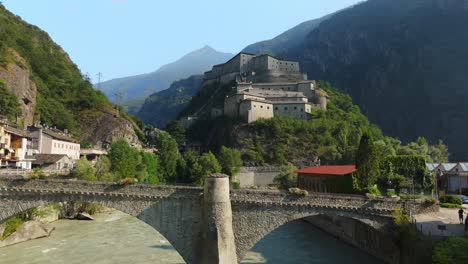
<point x="378" y="243"/>
<point x="257" y="176"/>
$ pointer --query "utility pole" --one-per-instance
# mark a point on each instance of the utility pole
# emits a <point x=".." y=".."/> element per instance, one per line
<point x="99" y="75"/>
<point x="118" y="98"/>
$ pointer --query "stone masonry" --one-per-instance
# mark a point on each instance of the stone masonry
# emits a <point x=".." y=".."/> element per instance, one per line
<point x="213" y="221"/>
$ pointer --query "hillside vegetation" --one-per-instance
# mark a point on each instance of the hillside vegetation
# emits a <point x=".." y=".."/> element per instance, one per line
<point x="332" y="135"/>
<point x="51" y="89"/>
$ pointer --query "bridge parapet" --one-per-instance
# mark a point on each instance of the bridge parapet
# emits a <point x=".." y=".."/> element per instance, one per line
<point x="101" y="188"/>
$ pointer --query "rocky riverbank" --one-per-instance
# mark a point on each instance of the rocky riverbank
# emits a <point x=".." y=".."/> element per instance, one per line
<point x="39" y="222"/>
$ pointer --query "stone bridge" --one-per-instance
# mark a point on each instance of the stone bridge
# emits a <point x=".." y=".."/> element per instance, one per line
<point x="205" y="225"/>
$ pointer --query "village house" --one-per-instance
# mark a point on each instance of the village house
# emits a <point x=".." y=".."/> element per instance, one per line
<point x="52" y="162"/>
<point x="14" y="144"/>
<point x="451" y="177"/>
<point x="53" y="141"/>
<point x="326" y="179"/>
<point x="92" y="155"/>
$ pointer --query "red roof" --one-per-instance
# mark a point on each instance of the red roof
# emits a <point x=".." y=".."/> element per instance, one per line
<point x="329" y="170"/>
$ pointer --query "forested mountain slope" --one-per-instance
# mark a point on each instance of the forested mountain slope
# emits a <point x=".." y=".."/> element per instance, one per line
<point x="402" y="61"/>
<point x="49" y="87"/>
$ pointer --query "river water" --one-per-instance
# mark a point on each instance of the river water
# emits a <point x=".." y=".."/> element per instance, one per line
<point x="117" y="238"/>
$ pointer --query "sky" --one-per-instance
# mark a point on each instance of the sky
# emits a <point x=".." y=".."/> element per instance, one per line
<point x="121" y="38"/>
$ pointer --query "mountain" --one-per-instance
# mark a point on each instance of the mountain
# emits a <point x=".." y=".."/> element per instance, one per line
<point x="40" y="84"/>
<point x="402" y="61"/>
<point x="162" y="107"/>
<point x="136" y="89"/>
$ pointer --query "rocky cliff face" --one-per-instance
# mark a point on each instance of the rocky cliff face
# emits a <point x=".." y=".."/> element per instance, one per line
<point x="402" y="61"/>
<point x="106" y="127"/>
<point x="18" y="80"/>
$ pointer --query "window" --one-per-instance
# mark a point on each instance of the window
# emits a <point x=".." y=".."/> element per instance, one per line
<point x="285" y="108"/>
<point x="268" y="107"/>
<point x="295" y="108"/>
<point x="254" y="105"/>
<point x="276" y="108"/>
<point x="302" y="110"/>
<point x="261" y="106"/>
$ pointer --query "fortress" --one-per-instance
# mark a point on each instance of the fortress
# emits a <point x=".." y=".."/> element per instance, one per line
<point x="266" y="86"/>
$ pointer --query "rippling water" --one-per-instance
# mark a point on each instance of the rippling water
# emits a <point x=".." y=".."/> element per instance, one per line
<point x="118" y="238"/>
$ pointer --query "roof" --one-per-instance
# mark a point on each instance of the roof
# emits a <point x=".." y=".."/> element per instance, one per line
<point x="431" y="166"/>
<point x="47" y="158"/>
<point x="17" y="131"/>
<point x="57" y="134"/>
<point x="329" y="170"/>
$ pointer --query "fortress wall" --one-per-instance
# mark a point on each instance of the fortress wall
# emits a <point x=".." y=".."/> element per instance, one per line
<point x="257" y="176"/>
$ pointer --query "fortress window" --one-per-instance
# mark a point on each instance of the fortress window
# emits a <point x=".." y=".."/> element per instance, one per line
<point x="254" y="105"/>
<point x="276" y="108"/>
<point x="295" y="108"/>
<point x="261" y="106"/>
<point x="268" y="107"/>
<point x="302" y="110"/>
<point x="285" y="108"/>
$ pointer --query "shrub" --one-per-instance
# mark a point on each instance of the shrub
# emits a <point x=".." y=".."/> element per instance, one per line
<point x="450" y="205"/>
<point x="410" y="196"/>
<point x="374" y="191"/>
<point x="453" y="250"/>
<point x="391" y="192"/>
<point x="11" y="225"/>
<point x="298" y="191"/>
<point x="89" y="208"/>
<point x="235" y="184"/>
<point x="451" y="199"/>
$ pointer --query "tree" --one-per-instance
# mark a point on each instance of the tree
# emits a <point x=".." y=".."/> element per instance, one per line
<point x="208" y="165"/>
<point x="230" y="160"/>
<point x="177" y="131"/>
<point x="85" y="170"/>
<point x="103" y="166"/>
<point x="367" y="162"/>
<point x="168" y="154"/>
<point x="151" y="165"/>
<point x="9" y="105"/>
<point x="124" y="159"/>
<point x="287" y="177"/>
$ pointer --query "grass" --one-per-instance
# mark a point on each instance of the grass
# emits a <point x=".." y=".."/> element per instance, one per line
<point x="450" y="205"/>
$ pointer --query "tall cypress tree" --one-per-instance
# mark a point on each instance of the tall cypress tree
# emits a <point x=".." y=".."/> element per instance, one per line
<point x="367" y="162"/>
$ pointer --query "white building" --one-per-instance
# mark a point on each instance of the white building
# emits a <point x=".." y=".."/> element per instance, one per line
<point x="54" y="141"/>
<point x="14" y="143"/>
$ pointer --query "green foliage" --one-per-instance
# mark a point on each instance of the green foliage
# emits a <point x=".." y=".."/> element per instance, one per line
<point x="177" y="131"/>
<point x="9" y="105"/>
<point x="85" y="170"/>
<point x="453" y="250"/>
<point x="367" y="162"/>
<point x="397" y="169"/>
<point x="230" y="160"/>
<point x="209" y="165"/>
<point x="287" y="177"/>
<point x="11" y="225"/>
<point x="62" y="90"/>
<point x="450" y="205"/>
<point x="151" y="166"/>
<point x="453" y="199"/>
<point x="103" y="166"/>
<point x="89" y="208"/>
<point x="124" y="159"/>
<point x="168" y="155"/>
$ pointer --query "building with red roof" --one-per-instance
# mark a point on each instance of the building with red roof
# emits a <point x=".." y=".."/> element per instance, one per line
<point x="330" y="178"/>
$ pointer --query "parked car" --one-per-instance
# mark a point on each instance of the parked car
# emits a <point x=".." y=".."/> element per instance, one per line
<point x="464" y="198"/>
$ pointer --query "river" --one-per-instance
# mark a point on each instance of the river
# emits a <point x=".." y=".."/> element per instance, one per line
<point x="115" y="237"/>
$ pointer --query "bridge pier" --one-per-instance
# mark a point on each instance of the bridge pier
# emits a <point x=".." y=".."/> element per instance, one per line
<point x="218" y="245"/>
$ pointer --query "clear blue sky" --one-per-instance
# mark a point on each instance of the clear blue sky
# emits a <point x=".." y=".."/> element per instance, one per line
<point x="128" y="37"/>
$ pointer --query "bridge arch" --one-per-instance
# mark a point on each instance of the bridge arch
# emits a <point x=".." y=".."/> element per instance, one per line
<point x="175" y="219"/>
<point x="253" y="223"/>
